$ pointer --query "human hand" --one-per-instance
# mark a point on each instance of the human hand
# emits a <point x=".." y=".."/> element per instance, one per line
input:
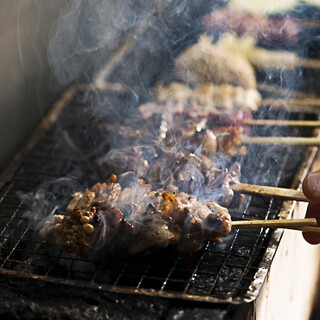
<point x="311" y="189"/>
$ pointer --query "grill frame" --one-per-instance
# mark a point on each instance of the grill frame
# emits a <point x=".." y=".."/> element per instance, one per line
<point x="248" y="296"/>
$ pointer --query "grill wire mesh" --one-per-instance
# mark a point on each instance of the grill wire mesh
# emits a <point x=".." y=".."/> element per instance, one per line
<point x="218" y="273"/>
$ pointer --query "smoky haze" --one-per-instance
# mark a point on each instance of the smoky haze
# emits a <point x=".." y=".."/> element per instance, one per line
<point x="84" y="38"/>
<point x="86" y="33"/>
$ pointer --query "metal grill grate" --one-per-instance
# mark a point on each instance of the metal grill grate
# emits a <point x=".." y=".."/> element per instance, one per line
<point x="230" y="272"/>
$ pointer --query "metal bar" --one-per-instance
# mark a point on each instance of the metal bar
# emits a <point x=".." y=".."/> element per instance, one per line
<point x="31" y="258"/>
<point x="169" y="274"/>
<point x="46" y="123"/>
<point x="120" y="275"/>
<point x="143" y="276"/>
<point x="53" y="264"/>
<point x="14" y="247"/>
<point x="195" y="270"/>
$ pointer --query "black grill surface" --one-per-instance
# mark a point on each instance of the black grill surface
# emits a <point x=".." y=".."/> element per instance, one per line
<point x="62" y="161"/>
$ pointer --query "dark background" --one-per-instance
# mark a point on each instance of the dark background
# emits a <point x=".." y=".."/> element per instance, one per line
<point x="27" y="86"/>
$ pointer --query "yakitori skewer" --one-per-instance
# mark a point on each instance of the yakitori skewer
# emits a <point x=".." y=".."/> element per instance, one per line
<point x="275" y="192"/>
<point x="284" y="224"/>
<point x="285" y="123"/>
<point x="301" y="141"/>
<point x="277" y="29"/>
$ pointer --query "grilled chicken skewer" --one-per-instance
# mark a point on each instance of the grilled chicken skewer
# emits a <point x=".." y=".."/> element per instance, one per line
<point x="135" y="219"/>
<point x="229" y="104"/>
<point x="205" y="63"/>
<point x="282" y="29"/>
<point x="260" y="58"/>
<point x="187" y="153"/>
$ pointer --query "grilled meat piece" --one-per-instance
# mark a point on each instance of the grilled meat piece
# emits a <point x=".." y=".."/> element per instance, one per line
<point x="135" y="220"/>
<point x="229" y="141"/>
<point x="183" y="158"/>
<point x="260" y="58"/>
<point x="205" y="63"/>
<point x="178" y="97"/>
<point x="132" y="158"/>
<point x="227" y="97"/>
<point x="207" y="139"/>
<point x="134" y="131"/>
<point x="195" y="175"/>
<point x="109" y="191"/>
<point x="279" y="29"/>
<point x="78" y="232"/>
<point x="227" y="119"/>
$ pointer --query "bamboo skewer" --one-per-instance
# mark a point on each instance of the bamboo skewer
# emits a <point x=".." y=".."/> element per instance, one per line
<point x="308" y="23"/>
<point x="290" y="123"/>
<point x="296" y="224"/>
<point x="307" y="229"/>
<point x="304" y="225"/>
<point x="305" y="141"/>
<point x="274" y="192"/>
<point x="285" y="91"/>
<point x="311" y="102"/>
<point x="309" y="63"/>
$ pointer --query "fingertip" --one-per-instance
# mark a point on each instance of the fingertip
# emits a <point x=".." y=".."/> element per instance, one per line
<point x="311" y="186"/>
<point x="311" y="238"/>
<point x="313" y="211"/>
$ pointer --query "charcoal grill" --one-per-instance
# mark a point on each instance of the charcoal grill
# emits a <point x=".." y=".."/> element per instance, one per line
<point x="232" y="272"/>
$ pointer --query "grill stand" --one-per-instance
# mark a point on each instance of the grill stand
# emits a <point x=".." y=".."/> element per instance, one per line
<point x="291" y="295"/>
<point x="38" y="299"/>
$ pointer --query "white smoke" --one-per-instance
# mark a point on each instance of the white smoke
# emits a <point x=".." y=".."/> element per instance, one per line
<point x="86" y="32"/>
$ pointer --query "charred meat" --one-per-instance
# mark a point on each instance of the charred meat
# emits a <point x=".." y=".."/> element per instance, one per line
<point x="206" y="97"/>
<point x="279" y="29"/>
<point x="135" y="219"/>
<point x="204" y="62"/>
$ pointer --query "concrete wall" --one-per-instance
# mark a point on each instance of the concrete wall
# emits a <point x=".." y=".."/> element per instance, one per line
<point x="27" y="87"/>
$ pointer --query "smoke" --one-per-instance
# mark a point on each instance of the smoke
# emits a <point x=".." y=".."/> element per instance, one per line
<point x="106" y="134"/>
<point x="86" y="33"/>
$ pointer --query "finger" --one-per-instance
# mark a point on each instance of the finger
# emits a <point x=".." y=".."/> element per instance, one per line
<point x="311" y="187"/>
<point x="313" y="211"/>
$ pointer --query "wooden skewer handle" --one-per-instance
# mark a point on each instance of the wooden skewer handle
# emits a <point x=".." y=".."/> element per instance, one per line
<point x="291" y="223"/>
<point x="281" y="140"/>
<point x="314" y="102"/>
<point x="308" y="23"/>
<point x="271" y="122"/>
<point x="274" y="192"/>
<point x="309" y="63"/>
